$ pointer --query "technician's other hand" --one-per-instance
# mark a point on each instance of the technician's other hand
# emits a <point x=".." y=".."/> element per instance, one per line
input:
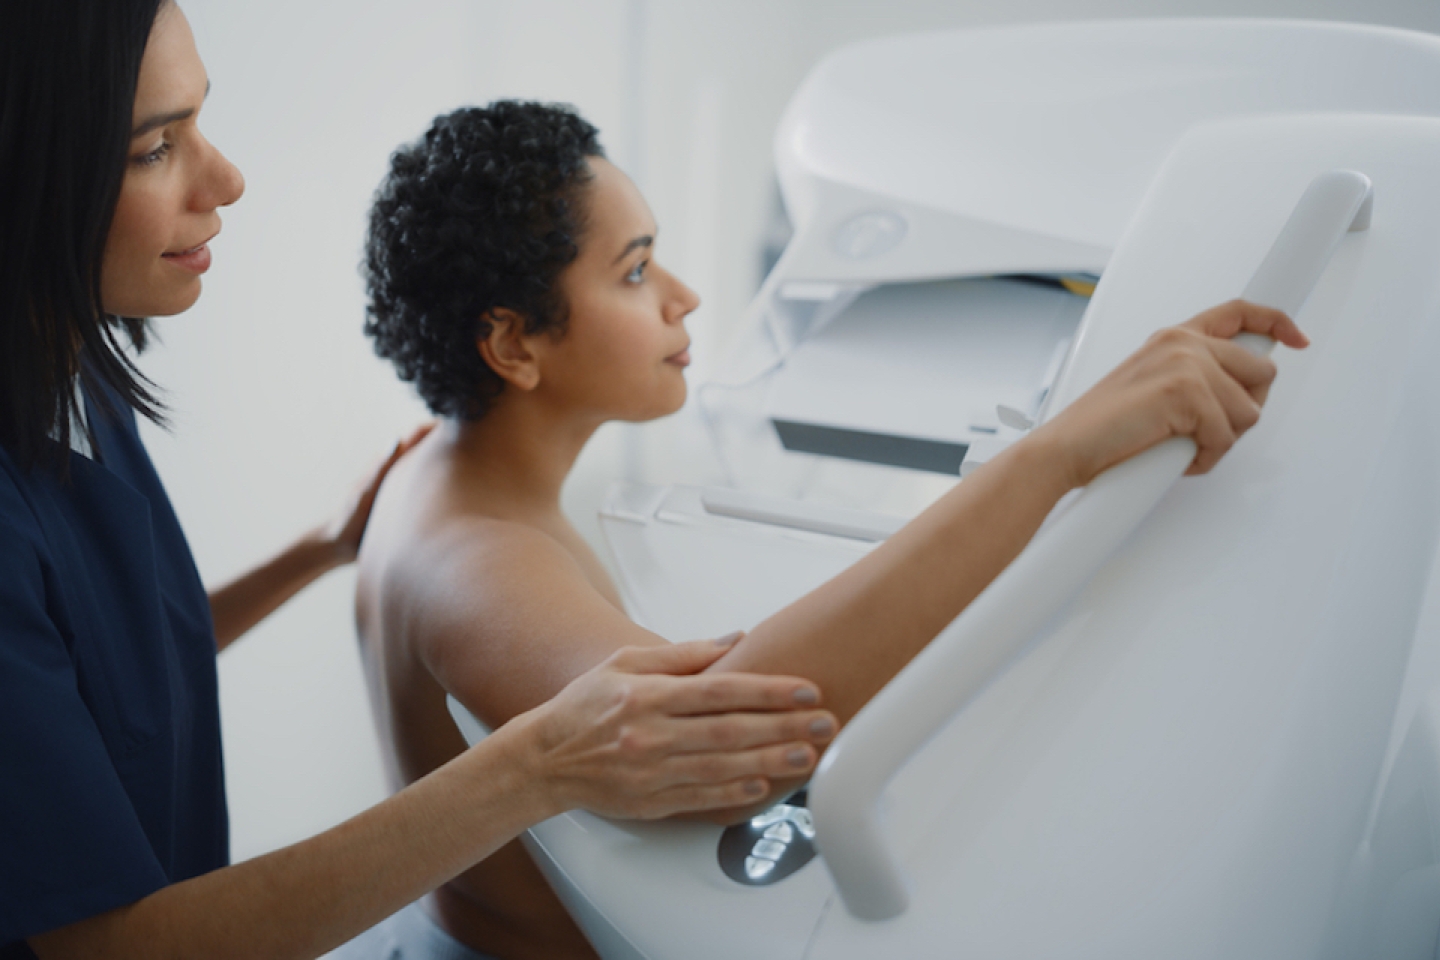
<point x="1186" y="381"/>
<point x="344" y="532"/>
<point x="637" y="737"/>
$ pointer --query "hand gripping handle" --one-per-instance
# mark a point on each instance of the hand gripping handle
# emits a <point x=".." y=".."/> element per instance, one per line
<point x="1061" y="559"/>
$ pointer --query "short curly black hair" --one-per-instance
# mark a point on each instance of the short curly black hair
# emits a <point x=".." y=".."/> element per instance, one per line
<point x="482" y="212"/>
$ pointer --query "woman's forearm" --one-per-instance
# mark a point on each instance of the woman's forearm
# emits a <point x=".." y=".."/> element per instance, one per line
<point x="251" y="597"/>
<point x="855" y="632"/>
<point x="305" y="900"/>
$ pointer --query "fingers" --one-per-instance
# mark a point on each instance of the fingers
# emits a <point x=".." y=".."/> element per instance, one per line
<point x="1208" y="400"/>
<point x="696" y="798"/>
<point x="779" y="762"/>
<point x="748" y="731"/>
<point x="1253" y="373"/>
<point x="1190" y="380"/>
<point x="371" y="486"/>
<point x="677" y="659"/>
<point x="1238" y="380"/>
<point x="728" y="692"/>
<point x="401" y="448"/>
<point x="775" y="761"/>
<point x="687" y="695"/>
<point x="1214" y="434"/>
<point x="1212" y="386"/>
<point x="418" y="434"/>
<point x="623" y="742"/>
<point x="726" y="780"/>
<point x="1238" y="316"/>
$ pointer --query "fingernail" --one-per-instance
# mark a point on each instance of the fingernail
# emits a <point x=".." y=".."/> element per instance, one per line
<point x="730" y="639"/>
<point x="807" y="697"/>
<point x="821" y="727"/>
<point x="755" y="787"/>
<point x="798" y="757"/>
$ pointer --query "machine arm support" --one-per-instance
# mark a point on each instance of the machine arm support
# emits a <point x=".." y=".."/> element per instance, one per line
<point x="975" y="647"/>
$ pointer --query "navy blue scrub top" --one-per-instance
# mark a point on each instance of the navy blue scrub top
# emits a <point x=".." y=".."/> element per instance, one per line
<point x="111" y="784"/>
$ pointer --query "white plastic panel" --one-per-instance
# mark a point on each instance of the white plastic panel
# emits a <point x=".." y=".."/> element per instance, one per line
<point x="1184" y="765"/>
<point x="690" y="909"/>
<point x="1019" y="149"/>
<point x="1027" y="148"/>
<point x="929" y="360"/>
<point x="688" y="572"/>
<point x="1069" y="550"/>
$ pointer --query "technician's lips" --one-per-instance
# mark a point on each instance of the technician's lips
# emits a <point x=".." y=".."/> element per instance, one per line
<point x="195" y="260"/>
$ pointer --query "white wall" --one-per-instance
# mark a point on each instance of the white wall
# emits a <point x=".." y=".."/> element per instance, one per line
<point x="278" y="402"/>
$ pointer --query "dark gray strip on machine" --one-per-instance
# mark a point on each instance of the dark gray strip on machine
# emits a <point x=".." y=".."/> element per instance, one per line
<point x="937" y="456"/>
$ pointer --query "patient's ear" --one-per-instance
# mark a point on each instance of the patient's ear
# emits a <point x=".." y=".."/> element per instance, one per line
<point x="506" y="349"/>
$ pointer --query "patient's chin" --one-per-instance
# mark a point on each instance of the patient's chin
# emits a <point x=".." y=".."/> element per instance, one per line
<point x="669" y="401"/>
<point x="677" y="398"/>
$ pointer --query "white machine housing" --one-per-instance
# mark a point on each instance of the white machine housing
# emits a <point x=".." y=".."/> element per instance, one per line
<point x="1227" y="744"/>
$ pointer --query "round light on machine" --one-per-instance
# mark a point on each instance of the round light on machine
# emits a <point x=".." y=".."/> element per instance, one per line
<point x="869" y="234"/>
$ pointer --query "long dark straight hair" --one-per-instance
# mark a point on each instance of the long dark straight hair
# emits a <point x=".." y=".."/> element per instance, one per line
<point x="68" y="72"/>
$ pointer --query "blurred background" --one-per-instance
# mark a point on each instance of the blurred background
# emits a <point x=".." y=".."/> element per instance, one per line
<point x="278" y="403"/>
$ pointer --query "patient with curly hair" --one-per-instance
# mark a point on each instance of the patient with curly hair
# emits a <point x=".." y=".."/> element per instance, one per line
<point x="515" y="278"/>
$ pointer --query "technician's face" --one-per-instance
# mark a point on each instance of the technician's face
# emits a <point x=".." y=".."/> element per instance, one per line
<point x="174" y="183"/>
<point x="625" y="348"/>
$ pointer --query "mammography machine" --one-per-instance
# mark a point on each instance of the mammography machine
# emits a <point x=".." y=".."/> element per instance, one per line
<point x="1197" y="717"/>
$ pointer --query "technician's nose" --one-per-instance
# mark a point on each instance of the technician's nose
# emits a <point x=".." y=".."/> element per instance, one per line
<point x="223" y="183"/>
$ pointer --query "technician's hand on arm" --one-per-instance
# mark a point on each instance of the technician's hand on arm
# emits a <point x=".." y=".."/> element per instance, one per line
<point x="635" y="737"/>
<point x="643" y="740"/>
<point x="245" y="601"/>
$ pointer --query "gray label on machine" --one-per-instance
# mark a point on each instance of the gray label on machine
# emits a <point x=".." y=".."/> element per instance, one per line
<point x="936" y="456"/>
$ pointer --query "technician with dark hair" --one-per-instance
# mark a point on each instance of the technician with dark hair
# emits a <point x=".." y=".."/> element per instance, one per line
<point x="113" y="837"/>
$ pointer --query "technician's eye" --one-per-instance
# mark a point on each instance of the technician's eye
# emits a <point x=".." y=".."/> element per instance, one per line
<point x="638" y="274"/>
<point x="153" y="157"/>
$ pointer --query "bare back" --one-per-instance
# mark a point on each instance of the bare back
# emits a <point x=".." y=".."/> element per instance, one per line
<point x="502" y="906"/>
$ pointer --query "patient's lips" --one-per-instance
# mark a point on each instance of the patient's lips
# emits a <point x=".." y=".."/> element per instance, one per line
<point x="681" y="359"/>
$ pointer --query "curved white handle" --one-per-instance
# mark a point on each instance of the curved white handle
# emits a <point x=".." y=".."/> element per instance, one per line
<point x="1063" y="556"/>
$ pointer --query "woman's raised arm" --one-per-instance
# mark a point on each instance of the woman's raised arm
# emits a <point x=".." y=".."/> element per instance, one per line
<point x="504" y="616"/>
<point x="852" y="634"/>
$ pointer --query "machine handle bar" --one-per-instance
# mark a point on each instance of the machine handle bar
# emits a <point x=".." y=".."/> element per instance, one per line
<point x="1035" y="587"/>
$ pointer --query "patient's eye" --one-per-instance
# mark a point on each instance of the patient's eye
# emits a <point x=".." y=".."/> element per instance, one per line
<point x="637" y="275"/>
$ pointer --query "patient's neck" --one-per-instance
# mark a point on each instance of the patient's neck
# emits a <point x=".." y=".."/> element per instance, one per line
<point x="522" y="450"/>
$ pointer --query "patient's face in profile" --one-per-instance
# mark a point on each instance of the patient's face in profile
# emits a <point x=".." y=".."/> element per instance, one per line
<point x="625" y="348"/>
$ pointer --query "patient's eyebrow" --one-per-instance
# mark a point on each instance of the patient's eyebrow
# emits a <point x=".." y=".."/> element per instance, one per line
<point x="165" y="119"/>
<point x="644" y="241"/>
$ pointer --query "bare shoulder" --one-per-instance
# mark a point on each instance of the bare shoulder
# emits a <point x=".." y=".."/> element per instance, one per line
<point x="490" y="555"/>
<point x="430" y="533"/>
<point x="499" y="611"/>
<point x="502" y="615"/>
